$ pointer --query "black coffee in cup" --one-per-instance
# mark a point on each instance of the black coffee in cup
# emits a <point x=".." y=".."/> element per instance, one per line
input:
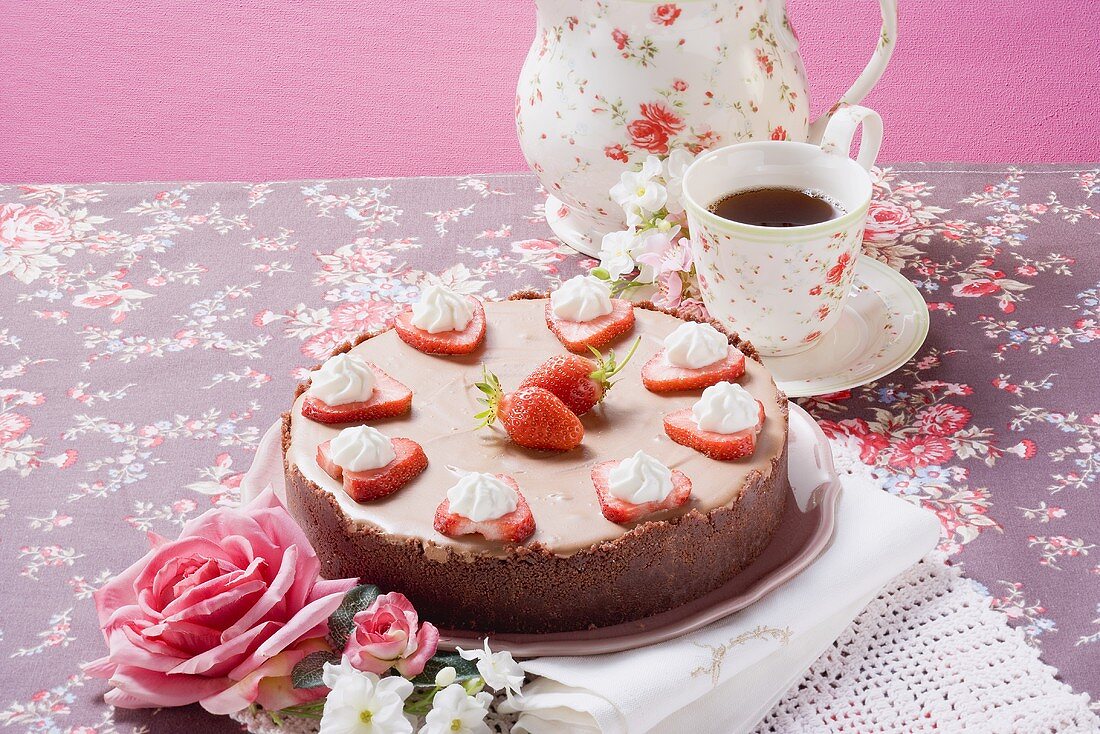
<point x="777" y="207"/>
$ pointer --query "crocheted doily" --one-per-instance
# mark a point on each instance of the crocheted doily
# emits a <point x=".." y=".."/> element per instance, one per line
<point x="927" y="655"/>
<point x="930" y="655"/>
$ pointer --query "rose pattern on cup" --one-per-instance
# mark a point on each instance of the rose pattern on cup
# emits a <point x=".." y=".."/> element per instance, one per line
<point x="783" y="287"/>
<point x="805" y="313"/>
<point x="665" y="14"/>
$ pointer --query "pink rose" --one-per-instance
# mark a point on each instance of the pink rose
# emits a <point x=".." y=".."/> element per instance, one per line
<point x="388" y="634"/>
<point x="869" y="442"/>
<point x="885" y="221"/>
<point x="943" y="419"/>
<point x="22" y="225"/>
<point x="836" y="273"/>
<point x="648" y="136"/>
<point x="975" y="288"/>
<point x="693" y="308"/>
<point x="665" y="14"/>
<point x="660" y="114"/>
<point x="768" y="67"/>
<point x="537" y="246"/>
<point x="656" y="125"/>
<point x="616" y="153"/>
<point x="918" y="451"/>
<point x="219" y="616"/>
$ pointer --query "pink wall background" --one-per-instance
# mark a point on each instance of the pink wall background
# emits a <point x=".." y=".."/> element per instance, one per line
<point x="192" y="89"/>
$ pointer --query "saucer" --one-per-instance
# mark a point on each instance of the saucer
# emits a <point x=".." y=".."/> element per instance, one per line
<point x="805" y="529"/>
<point x="884" y="323"/>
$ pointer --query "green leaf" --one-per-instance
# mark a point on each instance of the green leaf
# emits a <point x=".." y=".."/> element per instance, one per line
<point x="600" y="273"/>
<point x="307" y="673"/>
<point x="466" y="669"/>
<point x="341" y="623"/>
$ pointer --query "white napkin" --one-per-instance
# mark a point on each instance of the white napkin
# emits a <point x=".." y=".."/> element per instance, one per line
<point x="667" y="687"/>
<point x="670" y="687"/>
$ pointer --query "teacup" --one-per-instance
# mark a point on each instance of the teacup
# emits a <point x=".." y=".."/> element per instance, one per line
<point x="782" y="287"/>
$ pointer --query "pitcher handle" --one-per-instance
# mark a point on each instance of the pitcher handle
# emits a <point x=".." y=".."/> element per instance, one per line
<point x="871" y="73"/>
<point x="841" y="129"/>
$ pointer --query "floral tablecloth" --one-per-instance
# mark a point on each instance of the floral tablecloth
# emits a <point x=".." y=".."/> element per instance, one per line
<point x="149" y="333"/>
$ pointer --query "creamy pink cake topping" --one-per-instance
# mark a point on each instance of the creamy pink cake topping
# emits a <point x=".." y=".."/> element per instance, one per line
<point x="557" y="487"/>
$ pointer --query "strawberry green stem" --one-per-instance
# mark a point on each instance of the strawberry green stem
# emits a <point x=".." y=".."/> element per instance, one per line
<point x="490" y="385"/>
<point x="607" y="367"/>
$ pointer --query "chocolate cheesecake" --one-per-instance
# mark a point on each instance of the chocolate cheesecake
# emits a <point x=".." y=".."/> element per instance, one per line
<point x="578" y="570"/>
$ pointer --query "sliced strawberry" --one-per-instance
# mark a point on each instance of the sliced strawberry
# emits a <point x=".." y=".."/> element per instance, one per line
<point x="327" y="465"/>
<point x="372" y="484"/>
<point x="579" y="382"/>
<point x="444" y="342"/>
<point x="390" y="398"/>
<point x="578" y="336"/>
<point x="515" y="527"/>
<point x="660" y="376"/>
<point x="621" y="511"/>
<point x="680" y="427"/>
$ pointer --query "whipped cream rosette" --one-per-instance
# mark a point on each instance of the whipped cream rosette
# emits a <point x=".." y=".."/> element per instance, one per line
<point x="361" y="448"/>
<point x="725" y="408"/>
<point x="693" y="345"/>
<point x="441" y="309"/>
<point x="581" y="298"/>
<point x="343" y="378"/>
<point x="641" y="478"/>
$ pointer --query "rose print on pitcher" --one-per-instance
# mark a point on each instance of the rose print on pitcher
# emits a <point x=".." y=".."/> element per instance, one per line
<point x="652" y="131"/>
<point x="607" y="84"/>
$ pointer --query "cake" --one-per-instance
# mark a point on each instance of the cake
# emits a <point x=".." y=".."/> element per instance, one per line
<point x="577" y="569"/>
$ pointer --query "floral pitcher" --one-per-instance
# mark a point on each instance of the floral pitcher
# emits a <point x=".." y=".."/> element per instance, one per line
<point x="609" y="82"/>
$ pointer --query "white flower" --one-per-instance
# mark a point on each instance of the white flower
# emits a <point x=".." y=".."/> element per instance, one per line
<point x="454" y="711"/>
<point x="498" y="669"/>
<point x="639" y="194"/>
<point x="616" y="252"/>
<point x="446" y="676"/>
<point x="330" y="673"/>
<point x="675" y="166"/>
<point x="363" y="703"/>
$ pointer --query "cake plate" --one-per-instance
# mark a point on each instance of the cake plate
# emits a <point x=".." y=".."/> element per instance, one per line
<point x="804" y="532"/>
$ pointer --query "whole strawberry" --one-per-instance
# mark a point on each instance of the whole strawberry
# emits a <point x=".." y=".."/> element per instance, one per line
<point x="577" y="381"/>
<point x="533" y="417"/>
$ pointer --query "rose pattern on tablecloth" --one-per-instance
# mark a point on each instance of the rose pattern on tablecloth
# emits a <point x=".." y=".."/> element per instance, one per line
<point x="149" y="333"/>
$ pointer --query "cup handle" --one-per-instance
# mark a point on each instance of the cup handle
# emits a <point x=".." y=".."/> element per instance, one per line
<point x="842" y="129"/>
